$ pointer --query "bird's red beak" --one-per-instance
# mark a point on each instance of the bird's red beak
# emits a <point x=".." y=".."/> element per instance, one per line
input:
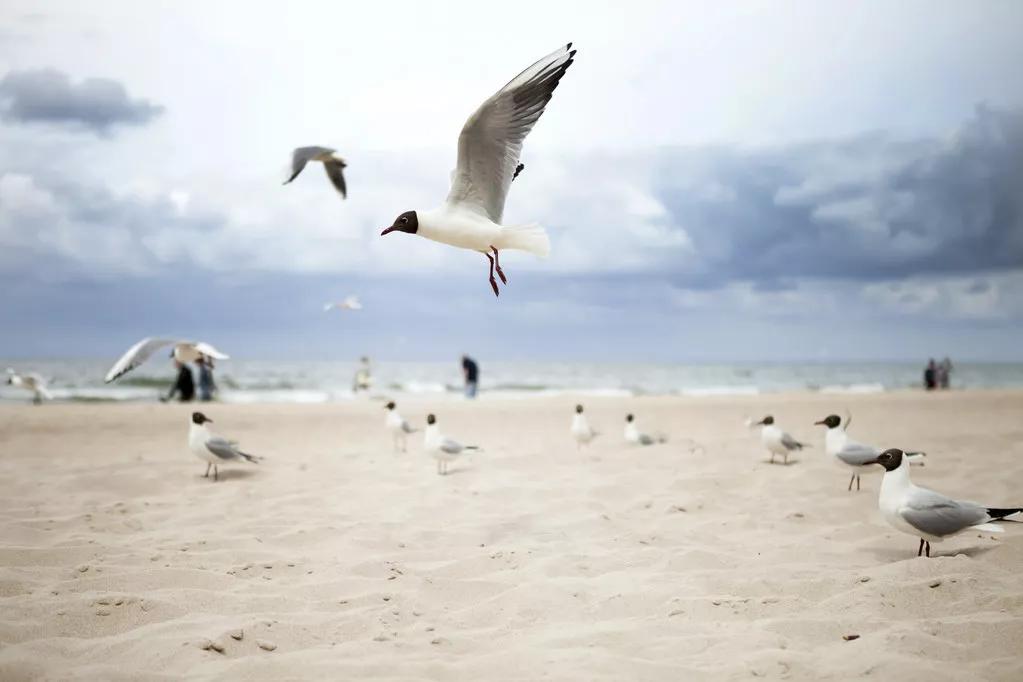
<point x="390" y="229"/>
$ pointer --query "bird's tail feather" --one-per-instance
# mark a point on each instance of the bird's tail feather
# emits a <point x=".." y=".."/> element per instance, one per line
<point x="1004" y="514"/>
<point x="473" y="447"/>
<point x="531" y="238"/>
<point x="252" y="458"/>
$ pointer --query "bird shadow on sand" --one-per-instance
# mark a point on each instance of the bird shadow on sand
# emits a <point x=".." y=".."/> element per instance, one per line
<point x="896" y="554"/>
<point x="779" y="462"/>
<point x="232" y="474"/>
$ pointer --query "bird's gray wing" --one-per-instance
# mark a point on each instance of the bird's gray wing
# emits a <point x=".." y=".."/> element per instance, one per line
<point x="646" y="440"/>
<point x="303" y="155"/>
<point x="223" y="448"/>
<point x="790" y="443"/>
<point x="406" y="427"/>
<point x="452" y="447"/>
<point x="135" y="356"/>
<point x="857" y="454"/>
<point x="934" y="514"/>
<point x="335" y="171"/>
<point x="491" y="140"/>
<point x="209" y="351"/>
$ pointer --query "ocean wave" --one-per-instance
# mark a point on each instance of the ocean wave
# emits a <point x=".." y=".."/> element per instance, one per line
<point x="853" y="388"/>
<point x="709" y="391"/>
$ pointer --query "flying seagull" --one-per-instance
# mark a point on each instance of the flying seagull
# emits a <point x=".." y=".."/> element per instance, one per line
<point x="848" y="452"/>
<point x="184" y="351"/>
<point x="332" y="163"/>
<point x="350" y="303"/>
<point x="399" y="428"/>
<point x="777" y="441"/>
<point x="925" y="514"/>
<point x="212" y="449"/>
<point x="440" y="447"/>
<point x="30" y="382"/>
<point x="488" y="160"/>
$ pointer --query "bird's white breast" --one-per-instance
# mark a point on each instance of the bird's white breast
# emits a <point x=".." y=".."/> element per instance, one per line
<point x="458" y="227"/>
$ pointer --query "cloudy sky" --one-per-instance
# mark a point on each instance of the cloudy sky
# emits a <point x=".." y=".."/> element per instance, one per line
<point x="755" y="181"/>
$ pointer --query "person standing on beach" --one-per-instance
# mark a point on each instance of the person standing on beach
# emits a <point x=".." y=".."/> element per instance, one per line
<point x="471" y="371"/>
<point x="184" y="385"/>
<point x="944" y="373"/>
<point x="207" y="387"/>
<point x="930" y="375"/>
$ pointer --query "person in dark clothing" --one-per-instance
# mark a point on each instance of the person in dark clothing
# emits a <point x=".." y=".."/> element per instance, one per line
<point x="931" y="375"/>
<point x="207" y="387"/>
<point x="184" y="386"/>
<point x="472" y="376"/>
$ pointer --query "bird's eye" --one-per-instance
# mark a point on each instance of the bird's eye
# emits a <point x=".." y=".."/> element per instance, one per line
<point x="404" y="220"/>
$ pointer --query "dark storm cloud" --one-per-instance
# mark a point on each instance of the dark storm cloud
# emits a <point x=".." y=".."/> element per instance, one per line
<point x="49" y="96"/>
<point x="869" y="207"/>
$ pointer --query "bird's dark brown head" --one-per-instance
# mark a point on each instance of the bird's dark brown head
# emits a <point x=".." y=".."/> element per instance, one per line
<point x="390" y="405"/>
<point x="406" y="222"/>
<point x="579" y="409"/>
<point x="767" y="420"/>
<point x="831" y="421"/>
<point x="890" y="459"/>
<point x="200" y="418"/>
<point x="430" y="419"/>
<point x="629" y="418"/>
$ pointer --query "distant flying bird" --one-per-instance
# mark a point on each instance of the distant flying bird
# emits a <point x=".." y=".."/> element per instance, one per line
<point x="350" y="303"/>
<point x="212" y="449"/>
<point x="636" y="437"/>
<point x="184" y="351"/>
<point x="440" y="447"/>
<point x="925" y="514"/>
<point x="488" y="160"/>
<point x="777" y="441"/>
<point x="581" y="430"/>
<point x="332" y="163"/>
<point x="30" y="382"/>
<point x="399" y="428"/>
<point x="848" y="452"/>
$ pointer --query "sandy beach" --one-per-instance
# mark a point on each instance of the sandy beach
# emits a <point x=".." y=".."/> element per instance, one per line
<point x="336" y="558"/>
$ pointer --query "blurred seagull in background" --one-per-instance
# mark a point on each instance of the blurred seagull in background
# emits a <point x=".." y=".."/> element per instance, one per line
<point x="440" y="447"/>
<point x="925" y="514"/>
<point x="848" y="452"/>
<point x="777" y="441"/>
<point x="399" y="428"/>
<point x="580" y="429"/>
<point x="30" y="382"/>
<point x="488" y="160"/>
<point x="184" y="352"/>
<point x="212" y="449"/>
<point x="350" y="303"/>
<point x="634" y="436"/>
<point x="332" y="163"/>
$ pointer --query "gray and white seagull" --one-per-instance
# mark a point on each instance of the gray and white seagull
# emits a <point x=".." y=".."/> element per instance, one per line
<point x="488" y="160"/>
<point x="332" y="163"/>
<point x="212" y="449"/>
<point x="925" y="514"/>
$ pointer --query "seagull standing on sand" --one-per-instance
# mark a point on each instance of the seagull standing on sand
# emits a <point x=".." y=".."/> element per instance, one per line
<point x="488" y="160"/>
<point x="848" y="452"/>
<point x="399" y="428"/>
<point x="183" y="352"/>
<point x="777" y="441"/>
<point x="581" y="430"/>
<point x="634" y="436"/>
<point x="925" y="514"/>
<point x="350" y="303"/>
<point x="440" y="447"/>
<point x="332" y="163"/>
<point x="212" y="449"/>
<point x="30" y="382"/>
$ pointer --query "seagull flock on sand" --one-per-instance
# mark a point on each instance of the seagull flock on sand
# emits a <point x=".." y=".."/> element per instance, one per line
<point x="488" y="161"/>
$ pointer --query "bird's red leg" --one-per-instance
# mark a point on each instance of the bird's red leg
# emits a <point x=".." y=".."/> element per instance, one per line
<point x="493" y="282"/>
<point x="497" y="264"/>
